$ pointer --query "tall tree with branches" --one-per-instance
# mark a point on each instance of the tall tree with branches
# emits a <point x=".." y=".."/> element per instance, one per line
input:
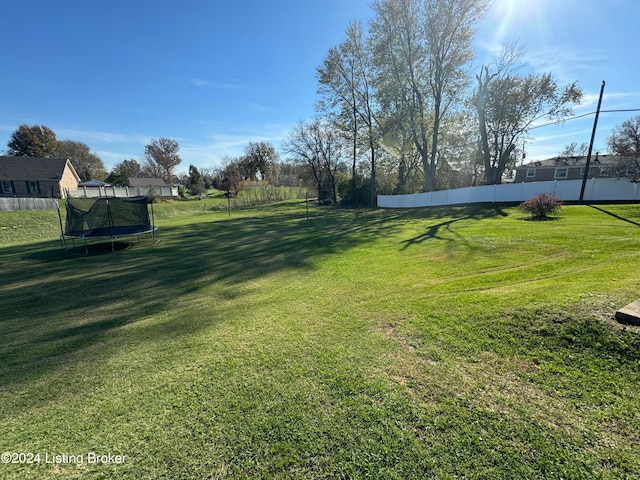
<point x="87" y="164"/>
<point x="625" y="141"/>
<point x="260" y="158"/>
<point x="162" y="158"/>
<point x="32" y="141"/>
<point x="421" y="49"/>
<point x="317" y="144"/>
<point x="508" y="104"/>
<point x="346" y="88"/>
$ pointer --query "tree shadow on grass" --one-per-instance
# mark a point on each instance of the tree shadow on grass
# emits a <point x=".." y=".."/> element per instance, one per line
<point x="475" y="212"/>
<point x="615" y="216"/>
<point x="99" y="248"/>
<point x="56" y="306"/>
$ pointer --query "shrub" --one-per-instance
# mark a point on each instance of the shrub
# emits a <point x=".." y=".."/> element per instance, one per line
<point x="362" y="191"/>
<point x="152" y="195"/>
<point x="541" y="205"/>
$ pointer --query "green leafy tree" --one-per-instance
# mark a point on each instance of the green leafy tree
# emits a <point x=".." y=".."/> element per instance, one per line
<point x="32" y="141"/>
<point x="346" y="85"/>
<point x="124" y="170"/>
<point x="161" y="158"/>
<point x="86" y="163"/>
<point x="232" y="176"/>
<point x="421" y="50"/>
<point x="508" y="103"/>
<point x="195" y="182"/>
<point x="260" y="158"/>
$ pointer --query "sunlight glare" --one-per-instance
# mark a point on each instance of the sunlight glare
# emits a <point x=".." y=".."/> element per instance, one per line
<point x="511" y="17"/>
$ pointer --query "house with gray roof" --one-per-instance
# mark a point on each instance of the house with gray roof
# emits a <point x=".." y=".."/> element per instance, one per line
<point x="36" y="177"/>
<point x="572" y="168"/>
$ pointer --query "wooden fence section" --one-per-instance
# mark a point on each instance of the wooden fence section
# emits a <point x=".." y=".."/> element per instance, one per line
<point x="597" y="190"/>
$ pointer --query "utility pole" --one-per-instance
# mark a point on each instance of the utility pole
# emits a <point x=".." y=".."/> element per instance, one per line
<point x="593" y="135"/>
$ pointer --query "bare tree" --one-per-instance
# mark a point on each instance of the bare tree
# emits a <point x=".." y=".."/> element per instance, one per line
<point x="161" y="157"/>
<point x="317" y="145"/>
<point x="625" y="141"/>
<point x="574" y="150"/>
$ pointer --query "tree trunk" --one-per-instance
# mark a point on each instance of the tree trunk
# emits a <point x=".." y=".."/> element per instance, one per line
<point x="373" y="174"/>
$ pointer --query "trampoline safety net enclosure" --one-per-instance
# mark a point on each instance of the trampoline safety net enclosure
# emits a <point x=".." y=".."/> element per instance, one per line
<point x="107" y="217"/>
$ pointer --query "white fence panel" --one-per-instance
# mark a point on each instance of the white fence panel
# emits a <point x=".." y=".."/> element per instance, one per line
<point x="20" y="203"/>
<point x="89" y="192"/>
<point x="612" y="189"/>
<point x="566" y="190"/>
<point x="600" y="189"/>
<point x="440" y="197"/>
<point x="481" y="194"/>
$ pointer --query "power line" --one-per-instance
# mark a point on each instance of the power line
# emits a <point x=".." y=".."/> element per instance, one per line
<point x="622" y="110"/>
<point x="555" y="122"/>
<point x="562" y="121"/>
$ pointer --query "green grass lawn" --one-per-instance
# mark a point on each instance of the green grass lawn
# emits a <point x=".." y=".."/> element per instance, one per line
<point x="462" y="342"/>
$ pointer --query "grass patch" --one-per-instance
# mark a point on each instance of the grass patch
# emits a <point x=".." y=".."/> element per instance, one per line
<point x="431" y="343"/>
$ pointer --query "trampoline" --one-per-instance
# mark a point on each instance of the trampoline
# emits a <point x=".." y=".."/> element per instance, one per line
<point x="106" y="217"/>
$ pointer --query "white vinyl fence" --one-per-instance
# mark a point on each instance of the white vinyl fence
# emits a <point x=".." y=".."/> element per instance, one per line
<point x="93" y="192"/>
<point x="597" y="189"/>
<point x="17" y="203"/>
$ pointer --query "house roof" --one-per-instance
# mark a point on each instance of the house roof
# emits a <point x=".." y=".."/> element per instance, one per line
<point x="34" y="168"/>
<point x="146" y="182"/>
<point x="94" y="183"/>
<point x="575" y="161"/>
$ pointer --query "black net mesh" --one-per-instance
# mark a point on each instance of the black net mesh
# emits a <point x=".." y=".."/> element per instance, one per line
<point x="107" y="217"/>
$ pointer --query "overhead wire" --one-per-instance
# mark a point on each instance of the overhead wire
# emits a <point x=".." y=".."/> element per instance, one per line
<point x="584" y="115"/>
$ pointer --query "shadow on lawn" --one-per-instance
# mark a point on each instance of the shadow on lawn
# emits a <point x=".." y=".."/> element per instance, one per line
<point x="60" y="305"/>
<point x="475" y="212"/>
<point x="615" y="216"/>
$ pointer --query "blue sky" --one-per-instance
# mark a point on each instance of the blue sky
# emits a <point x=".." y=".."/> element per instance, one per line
<point x="216" y="75"/>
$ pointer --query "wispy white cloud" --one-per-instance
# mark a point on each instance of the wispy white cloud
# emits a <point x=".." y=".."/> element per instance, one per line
<point x="565" y="63"/>
<point x="99" y="136"/>
<point x="111" y="157"/>
<point x="224" y="142"/>
<point x="201" y="83"/>
<point x="256" y="107"/>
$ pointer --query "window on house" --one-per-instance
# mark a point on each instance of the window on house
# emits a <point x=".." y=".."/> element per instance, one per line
<point x="6" y="186"/>
<point x="605" y="171"/>
<point x="531" y="172"/>
<point x="561" y="172"/>
<point x="632" y="170"/>
<point x="33" y="187"/>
